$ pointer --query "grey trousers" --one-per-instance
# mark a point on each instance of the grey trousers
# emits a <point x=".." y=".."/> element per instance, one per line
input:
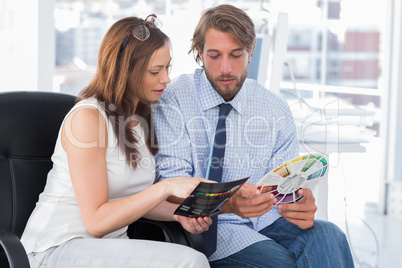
<point x="97" y="253"/>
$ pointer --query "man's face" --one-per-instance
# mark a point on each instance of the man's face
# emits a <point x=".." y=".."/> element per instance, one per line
<point x="225" y="63"/>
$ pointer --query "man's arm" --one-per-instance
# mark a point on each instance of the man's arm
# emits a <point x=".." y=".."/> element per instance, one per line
<point x="174" y="156"/>
<point x="248" y="202"/>
<point x="301" y="213"/>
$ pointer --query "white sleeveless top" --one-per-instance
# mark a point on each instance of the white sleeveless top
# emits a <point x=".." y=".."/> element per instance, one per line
<point x="57" y="218"/>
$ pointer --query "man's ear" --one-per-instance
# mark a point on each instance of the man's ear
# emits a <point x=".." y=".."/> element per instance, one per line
<point x="200" y="54"/>
<point x="249" y="57"/>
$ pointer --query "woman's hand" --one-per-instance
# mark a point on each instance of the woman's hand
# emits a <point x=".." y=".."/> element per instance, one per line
<point x="194" y="225"/>
<point x="181" y="187"/>
<point x="174" y="191"/>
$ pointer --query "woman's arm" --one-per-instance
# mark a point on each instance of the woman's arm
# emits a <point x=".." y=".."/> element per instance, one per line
<point x="165" y="210"/>
<point x="84" y="138"/>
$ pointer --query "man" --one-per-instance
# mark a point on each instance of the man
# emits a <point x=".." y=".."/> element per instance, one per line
<point x="260" y="135"/>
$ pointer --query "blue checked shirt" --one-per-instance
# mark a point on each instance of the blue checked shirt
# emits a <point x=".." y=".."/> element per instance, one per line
<point x="261" y="135"/>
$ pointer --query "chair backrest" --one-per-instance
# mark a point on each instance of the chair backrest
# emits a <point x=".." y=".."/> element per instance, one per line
<point x="29" y="125"/>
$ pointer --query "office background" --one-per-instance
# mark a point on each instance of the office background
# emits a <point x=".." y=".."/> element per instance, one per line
<point x="342" y="54"/>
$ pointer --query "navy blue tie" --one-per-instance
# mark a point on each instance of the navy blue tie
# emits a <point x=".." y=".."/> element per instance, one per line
<point x="215" y="173"/>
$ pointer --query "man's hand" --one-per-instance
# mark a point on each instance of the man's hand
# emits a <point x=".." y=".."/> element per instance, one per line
<point x="302" y="212"/>
<point x="248" y="202"/>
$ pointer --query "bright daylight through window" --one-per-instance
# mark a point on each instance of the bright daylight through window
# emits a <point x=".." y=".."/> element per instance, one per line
<point x="335" y="71"/>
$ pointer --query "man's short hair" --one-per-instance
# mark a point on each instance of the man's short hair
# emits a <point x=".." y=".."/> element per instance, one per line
<point x="228" y="19"/>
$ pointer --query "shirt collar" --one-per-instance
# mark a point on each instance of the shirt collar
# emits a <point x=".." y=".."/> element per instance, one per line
<point x="210" y="98"/>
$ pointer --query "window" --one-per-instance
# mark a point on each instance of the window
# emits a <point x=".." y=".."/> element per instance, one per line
<point x="335" y="47"/>
<point x="335" y="51"/>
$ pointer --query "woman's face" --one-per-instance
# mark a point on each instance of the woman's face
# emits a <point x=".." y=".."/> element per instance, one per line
<point x="156" y="75"/>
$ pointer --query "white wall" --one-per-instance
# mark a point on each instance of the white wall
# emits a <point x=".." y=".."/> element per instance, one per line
<point x="26" y="45"/>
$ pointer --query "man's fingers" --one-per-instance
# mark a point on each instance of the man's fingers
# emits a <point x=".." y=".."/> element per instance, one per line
<point x="306" y="192"/>
<point x="302" y="224"/>
<point x="301" y="207"/>
<point x="248" y="190"/>
<point x="256" y="206"/>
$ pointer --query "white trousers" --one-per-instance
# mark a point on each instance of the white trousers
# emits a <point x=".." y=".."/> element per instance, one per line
<point x="97" y="253"/>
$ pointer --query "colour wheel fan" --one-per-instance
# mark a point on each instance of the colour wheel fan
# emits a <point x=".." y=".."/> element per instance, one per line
<point x="284" y="182"/>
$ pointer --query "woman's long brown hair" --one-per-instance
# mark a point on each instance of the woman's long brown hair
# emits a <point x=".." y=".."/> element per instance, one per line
<point x="109" y="86"/>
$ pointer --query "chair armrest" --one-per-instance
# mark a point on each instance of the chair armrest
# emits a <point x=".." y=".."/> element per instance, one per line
<point x="168" y="231"/>
<point x="14" y="250"/>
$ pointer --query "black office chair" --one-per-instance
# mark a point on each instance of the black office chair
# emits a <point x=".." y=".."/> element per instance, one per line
<point x="29" y="125"/>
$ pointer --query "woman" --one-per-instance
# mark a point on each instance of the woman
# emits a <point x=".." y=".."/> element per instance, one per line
<point x="104" y="168"/>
